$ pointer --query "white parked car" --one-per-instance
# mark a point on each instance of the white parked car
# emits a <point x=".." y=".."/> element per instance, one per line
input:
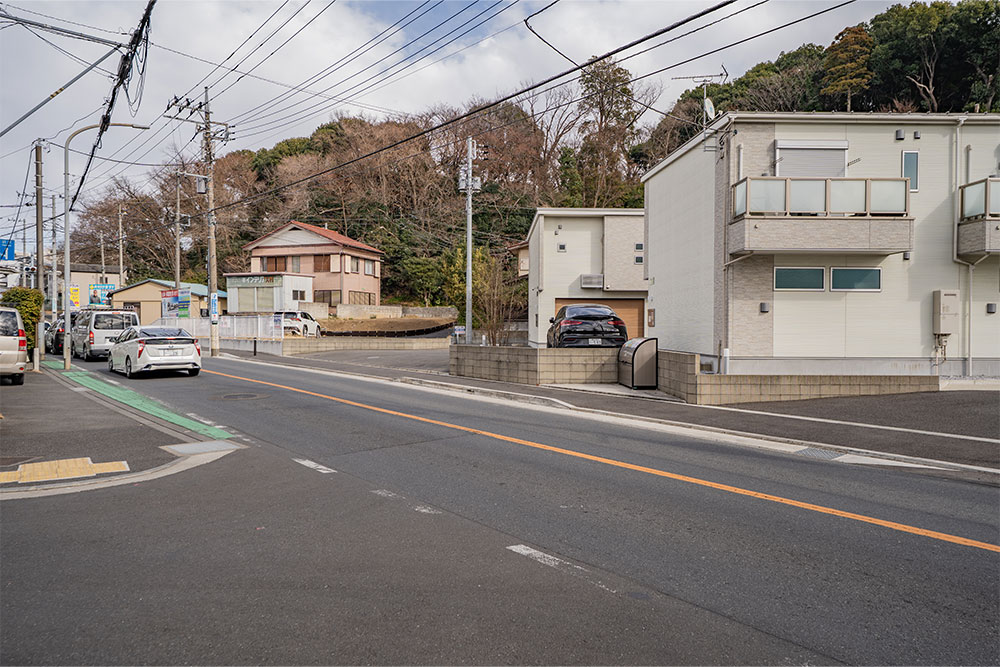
<point x="140" y="349"/>
<point x="300" y="323"/>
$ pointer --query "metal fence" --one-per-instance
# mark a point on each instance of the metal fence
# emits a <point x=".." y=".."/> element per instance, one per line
<point x="261" y="327"/>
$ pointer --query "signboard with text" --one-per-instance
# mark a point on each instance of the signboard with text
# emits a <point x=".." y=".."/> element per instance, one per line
<point x="99" y="294"/>
<point x="74" y="297"/>
<point x="7" y="249"/>
<point x="175" y="303"/>
<point x="214" y="307"/>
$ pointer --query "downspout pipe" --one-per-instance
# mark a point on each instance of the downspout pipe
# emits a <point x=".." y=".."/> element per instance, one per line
<point x="970" y="266"/>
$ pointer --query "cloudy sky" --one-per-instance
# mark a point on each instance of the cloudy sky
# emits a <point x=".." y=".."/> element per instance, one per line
<point x="379" y="56"/>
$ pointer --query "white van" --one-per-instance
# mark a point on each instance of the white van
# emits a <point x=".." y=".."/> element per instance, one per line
<point x="13" y="345"/>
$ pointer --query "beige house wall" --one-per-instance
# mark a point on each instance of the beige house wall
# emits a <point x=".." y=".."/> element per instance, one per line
<point x="826" y="331"/>
<point x="555" y="274"/>
<point x="680" y="214"/>
<point x="303" y="244"/>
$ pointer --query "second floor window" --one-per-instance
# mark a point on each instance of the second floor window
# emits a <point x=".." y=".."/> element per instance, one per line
<point x="275" y="264"/>
<point x="295" y="264"/>
<point x="355" y="265"/>
<point x="321" y="263"/>
<point x="911" y="161"/>
<point x="369" y="267"/>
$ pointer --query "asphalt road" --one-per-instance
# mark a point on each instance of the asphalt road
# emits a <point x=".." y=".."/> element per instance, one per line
<point x="669" y="548"/>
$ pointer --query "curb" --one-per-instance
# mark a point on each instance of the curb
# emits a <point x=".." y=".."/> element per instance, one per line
<point x="556" y="403"/>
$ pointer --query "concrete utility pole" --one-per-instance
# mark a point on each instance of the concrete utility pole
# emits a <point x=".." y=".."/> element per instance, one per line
<point x="177" y="236"/>
<point x="208" y="138"/>
<point x="54" y="290"/>
<point x="104" y="278"/>
<point x="121" y="254"/>
<point x="468" y="183"/>
<point x="39" y="255"/>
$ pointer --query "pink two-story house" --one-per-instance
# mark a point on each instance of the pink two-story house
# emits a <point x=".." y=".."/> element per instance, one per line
<point x="343" y="270"/>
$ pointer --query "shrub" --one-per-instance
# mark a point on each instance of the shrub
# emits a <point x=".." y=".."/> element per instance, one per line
<point x="29" y="303"/>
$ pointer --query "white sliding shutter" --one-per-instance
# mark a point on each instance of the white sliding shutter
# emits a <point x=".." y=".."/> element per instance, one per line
<point x="812" y="159"/>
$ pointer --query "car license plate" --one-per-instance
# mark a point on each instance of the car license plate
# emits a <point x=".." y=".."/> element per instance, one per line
<point x="171" y="353"/>
<point x="595" y="341"/>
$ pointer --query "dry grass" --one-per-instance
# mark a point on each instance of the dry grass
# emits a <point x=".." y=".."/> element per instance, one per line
<point x="384" y="324"/>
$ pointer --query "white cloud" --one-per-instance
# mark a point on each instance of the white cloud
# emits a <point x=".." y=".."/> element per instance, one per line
<point x="30" y="69"/>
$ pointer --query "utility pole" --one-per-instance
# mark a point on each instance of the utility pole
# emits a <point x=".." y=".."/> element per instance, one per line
<point x="39" y="254"/>
<point x="55" y="261"/>
<point x="104" y="278"/>
<point x="121" y="242"/>
<point x="208" y="137"/>
<point x="177" y="236"/>
<point x="469" y="184"/>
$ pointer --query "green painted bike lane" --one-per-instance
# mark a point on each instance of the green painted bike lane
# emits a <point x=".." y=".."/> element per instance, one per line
<point x="135" y="400"/>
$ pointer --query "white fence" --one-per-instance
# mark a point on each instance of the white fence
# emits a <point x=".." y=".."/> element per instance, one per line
<point x="261" y="327"/>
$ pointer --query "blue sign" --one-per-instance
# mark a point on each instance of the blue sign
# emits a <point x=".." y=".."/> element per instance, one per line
<point x="214" y="307"/>
<point x="7" y="249"/>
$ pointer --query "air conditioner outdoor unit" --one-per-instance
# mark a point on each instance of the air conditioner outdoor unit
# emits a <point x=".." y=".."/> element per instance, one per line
<point x="592" y="280"/>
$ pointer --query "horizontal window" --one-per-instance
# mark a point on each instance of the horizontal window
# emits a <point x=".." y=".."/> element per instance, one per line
<point x="638" y="247"/>
<point x="795" y="278"/>
<point x="638" y="259"/>
<point x="860" y="279"/>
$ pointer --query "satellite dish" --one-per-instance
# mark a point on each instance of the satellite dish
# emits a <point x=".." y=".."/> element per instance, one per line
<point x="709" y="108"/>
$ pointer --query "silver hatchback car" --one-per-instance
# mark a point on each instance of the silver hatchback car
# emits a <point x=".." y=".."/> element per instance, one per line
<point x="141" y="349"/>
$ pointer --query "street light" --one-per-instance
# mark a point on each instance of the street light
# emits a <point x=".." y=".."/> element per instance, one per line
<point x="67" y="272"/>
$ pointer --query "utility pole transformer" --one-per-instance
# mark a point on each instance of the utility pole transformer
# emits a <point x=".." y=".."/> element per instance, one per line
<point x="208" y="137"/>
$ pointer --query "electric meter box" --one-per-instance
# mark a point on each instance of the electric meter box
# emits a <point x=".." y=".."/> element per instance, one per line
<point x="637" y="363"/>
<point x="947" y="310"/>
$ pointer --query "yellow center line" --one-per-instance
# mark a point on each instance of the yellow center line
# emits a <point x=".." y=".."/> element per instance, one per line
<point x="944" y="537"/>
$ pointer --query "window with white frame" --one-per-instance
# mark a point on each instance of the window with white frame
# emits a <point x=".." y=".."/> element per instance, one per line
<point x="638" y="247"/>
<point x="638" y="259"/>
<point x="799" y="278"/>
<point x="855" y="279"/>
<point x="295" y="263"/>
<point x="369" y="267"/>
<point x="910" y="168"/>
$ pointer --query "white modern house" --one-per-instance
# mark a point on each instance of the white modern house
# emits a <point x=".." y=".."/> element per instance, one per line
<point x="829" y="243"/>
<point x="584" y="255"/>
<point x="268" y="292"/>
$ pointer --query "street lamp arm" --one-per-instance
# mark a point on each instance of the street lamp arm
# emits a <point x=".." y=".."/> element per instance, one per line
<point x="67" y="272"/>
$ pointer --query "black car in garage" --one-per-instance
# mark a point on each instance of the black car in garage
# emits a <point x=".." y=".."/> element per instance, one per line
<point x="586" y="325"/>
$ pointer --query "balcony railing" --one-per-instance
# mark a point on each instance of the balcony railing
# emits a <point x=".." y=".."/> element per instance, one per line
<point x="818" y="197"/>
<point x="981" y="199"/>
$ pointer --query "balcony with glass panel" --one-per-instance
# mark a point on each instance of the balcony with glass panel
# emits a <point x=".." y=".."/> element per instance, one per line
<point x="843" y="215"/>
<point x="979" y="224"/>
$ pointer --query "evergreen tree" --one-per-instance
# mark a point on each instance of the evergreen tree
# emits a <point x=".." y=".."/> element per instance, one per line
<point x="846" y="63"/>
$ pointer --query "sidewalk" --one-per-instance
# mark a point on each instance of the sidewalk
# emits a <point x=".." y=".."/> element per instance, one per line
<point x="69" y="423"/>
<point x="959" y="427"/>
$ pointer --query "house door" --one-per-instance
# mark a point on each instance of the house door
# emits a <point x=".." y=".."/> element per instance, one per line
<point x="630" y="310"/>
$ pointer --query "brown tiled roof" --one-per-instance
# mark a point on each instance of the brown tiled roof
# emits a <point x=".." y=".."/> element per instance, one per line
<point x="336" y="237"/>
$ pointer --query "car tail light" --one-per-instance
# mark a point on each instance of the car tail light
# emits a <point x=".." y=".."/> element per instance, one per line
<point x="197" y="347"/>
<point x="91" y="337"/>
<point x="142" y="347"/>
<point x="616" y="323"/>
<point x="569" y="323"/>
<point x="22" y="340"/>
<point x="61" y="330"/>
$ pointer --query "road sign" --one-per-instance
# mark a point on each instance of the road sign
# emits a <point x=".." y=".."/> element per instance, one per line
<point x="7" y="250"/>
<point x="214" y="307"/>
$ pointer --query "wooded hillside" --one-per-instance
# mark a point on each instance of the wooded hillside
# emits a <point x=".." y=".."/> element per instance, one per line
<point x="583" y="144"/>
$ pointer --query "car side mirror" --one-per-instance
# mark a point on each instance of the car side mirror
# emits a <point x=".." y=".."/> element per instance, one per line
<point x="552" y="320"/>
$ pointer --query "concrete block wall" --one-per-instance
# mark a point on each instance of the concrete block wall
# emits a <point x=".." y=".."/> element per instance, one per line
<point x="536" y="366"/>
<point x="679" y="376"/>
<point x="293" y="346"/>
<point x="432" y="311"/>
<point x="359" y="312"/>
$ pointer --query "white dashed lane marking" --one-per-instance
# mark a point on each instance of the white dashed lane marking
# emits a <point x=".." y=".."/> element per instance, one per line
<point x="315" y="466"/>
<point x="559" y="564"/>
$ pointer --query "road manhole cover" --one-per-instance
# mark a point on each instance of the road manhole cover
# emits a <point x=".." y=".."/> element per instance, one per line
<point x="241" y="397"/>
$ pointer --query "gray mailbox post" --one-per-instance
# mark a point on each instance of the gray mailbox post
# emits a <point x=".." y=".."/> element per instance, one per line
<point x="637" y="363"/>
